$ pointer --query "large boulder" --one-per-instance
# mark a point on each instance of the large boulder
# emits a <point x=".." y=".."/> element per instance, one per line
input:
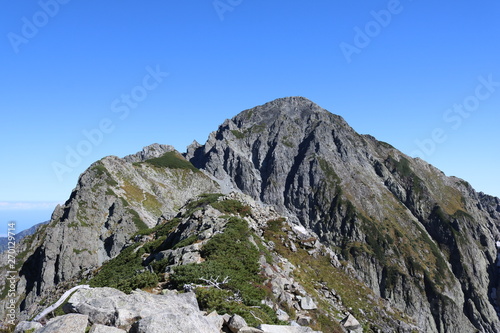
<point x="97" y="328"/>
<point x="172" y="322"/>
<point x="286" y="329"/>
<point x="74" y="323"/>
<point x="29" y="326"/>
<point x="171" y="312"/>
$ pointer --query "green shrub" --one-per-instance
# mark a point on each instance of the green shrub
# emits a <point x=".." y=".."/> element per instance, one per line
<point x="211" y="299"/>
<point x="172" y="160"/>
<point x="203" y="200"/>
<point x="118" y="270"/>
<point x="232" y="206"/>
<point x="228" y="254"/>
<point x="139" y="223"/>
<point x="185" y="242"/>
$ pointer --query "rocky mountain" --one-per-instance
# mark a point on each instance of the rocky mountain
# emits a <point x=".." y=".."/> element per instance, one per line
<point x="285" y="215"/>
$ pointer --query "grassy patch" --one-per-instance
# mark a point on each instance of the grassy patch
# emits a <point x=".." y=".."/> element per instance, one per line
<point x="139" y="223"/>
<point x="238" y="134"/>
<point x="101" y="170"/>
<point x="172" y="160"/>
<point x="152" y="204"/>
<point x="133" y="192"/>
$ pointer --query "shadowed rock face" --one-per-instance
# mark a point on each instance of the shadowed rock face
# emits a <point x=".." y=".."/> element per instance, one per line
<point x="421" y="239"/>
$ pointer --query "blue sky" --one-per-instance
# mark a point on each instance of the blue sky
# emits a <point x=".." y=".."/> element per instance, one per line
<point x="84" y="79"/>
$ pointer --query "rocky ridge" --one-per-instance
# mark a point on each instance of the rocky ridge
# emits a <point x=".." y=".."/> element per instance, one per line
<point x="344" y="232"/>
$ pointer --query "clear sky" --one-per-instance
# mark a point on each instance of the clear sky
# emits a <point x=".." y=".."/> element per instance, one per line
<point x="81" y="80"/>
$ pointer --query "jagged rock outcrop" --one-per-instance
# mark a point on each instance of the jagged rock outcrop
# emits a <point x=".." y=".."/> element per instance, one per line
<point x="421" y="239"/>
<point x="114" y="199"/>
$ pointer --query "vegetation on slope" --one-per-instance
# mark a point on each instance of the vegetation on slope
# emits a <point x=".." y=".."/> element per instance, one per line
<point x="172" y="160"/>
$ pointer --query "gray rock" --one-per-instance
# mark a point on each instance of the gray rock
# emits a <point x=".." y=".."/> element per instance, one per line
<point x="286" y="329"/>
<point x="216" y="319"/>
<point x="97" y="328"/>
<point x="307" y="303"/>
<point x="282" y="315"/>
<point x="113" y="308"/>
<point x="170" y="322"/>
<point x="247" y="329"/>
<point x="304" y="320"/>
<point x="26" y="326"/>
<point x="236" y="323"/>
<point x="74" y="323"/>
<point x="350" y="323"/>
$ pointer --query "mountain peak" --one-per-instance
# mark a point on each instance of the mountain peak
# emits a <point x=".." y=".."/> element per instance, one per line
<point x="287" y="105"/>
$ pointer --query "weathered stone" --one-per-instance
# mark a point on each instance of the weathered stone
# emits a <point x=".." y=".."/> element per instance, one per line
<point x="170" y="322"/>
<point x="304" y="320"/>
<point x="307" y="303"/>
<point x="74" y="323"/>
<point x="247" y="329"/>
<point x="236" y="323"/>
<point x="282" y="315"/>
<point x="350" y="323"/>
<point x="27" y="326"/>
<point x="286" y="329"/>
<point x="97" y="328"/>
<point x="216" y="319"/>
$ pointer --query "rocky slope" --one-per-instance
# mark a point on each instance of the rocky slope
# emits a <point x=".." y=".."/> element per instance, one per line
<point x="343" y="232"/>
<point x="422" y="240"/>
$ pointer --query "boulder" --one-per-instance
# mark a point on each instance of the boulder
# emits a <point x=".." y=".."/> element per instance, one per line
<point x="350" y="323"/>
<point x="247" y="329"/>
<point x="307" y="303"/>
<point x="236" y="323"/>
<point x="98" y="328"/>
<point x="216" y="319"/>
<point x="169" y="311"/>
<point x="26" y="326"/>
<point x="304" y="320"/>
<point x="282" y="315"/>
<point x="169" y="322"/>
<point x="74" y="323"/>
<point x="286" y="329"/>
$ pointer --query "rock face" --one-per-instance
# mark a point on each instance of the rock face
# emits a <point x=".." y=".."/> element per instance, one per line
<point x="347" y="227"/>
<point x="422" y="240"/>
